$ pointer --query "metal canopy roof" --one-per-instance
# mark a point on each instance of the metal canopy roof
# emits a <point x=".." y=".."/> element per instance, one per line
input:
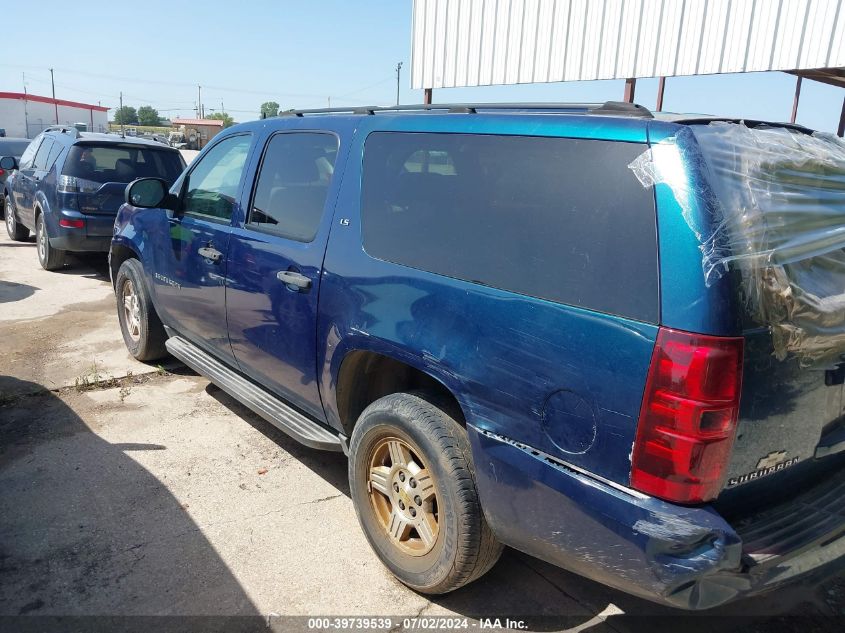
<point x="485" y="42"/>
<point x="832" y="76"/>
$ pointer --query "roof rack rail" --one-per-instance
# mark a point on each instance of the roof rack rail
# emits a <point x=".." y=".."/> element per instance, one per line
<point x="615" y="108"/>
<point x="64" y="129"/>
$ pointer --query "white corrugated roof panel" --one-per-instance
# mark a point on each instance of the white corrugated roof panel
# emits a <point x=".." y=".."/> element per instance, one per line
<point x="485" y="42"/>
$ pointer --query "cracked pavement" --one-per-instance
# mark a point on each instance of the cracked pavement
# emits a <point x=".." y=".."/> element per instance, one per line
<point x="155" y="494"/>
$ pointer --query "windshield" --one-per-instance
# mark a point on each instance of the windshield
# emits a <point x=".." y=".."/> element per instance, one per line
<point x="12" y="148"/>
<point x="122" y="163"/>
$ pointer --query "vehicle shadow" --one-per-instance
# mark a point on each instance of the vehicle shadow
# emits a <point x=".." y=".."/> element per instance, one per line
<point x="85" y="530"/>
<point x="30" y="244"/>
<point x="548" y="598"/>
<point x="11" y="291"/>
<point x="90" y="265"/>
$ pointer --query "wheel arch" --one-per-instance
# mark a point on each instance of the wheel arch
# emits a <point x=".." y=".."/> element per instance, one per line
<point x="119" y="252"/>
<point x="365" y="375"/>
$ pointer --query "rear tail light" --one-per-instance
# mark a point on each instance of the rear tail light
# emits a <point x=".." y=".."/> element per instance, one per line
<point x="72" y="223"/>
<point x="2" y="172"/>
<point x="688" y="417"/>
<point x="72" y="184"/>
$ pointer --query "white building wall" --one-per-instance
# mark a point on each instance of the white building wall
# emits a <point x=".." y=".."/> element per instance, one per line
<point x="36" y="115"/>
<point x="12" y="118"/>
<point x="485" y="42"/>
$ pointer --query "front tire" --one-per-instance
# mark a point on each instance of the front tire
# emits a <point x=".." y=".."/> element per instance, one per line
<point x="142" y="330"/>
<point x="16" y="231"/>
<point x="50" y="258"/>
<point x="413" y="487"/>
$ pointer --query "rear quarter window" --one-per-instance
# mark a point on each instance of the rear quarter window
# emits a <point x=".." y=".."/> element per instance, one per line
<point x="554" y="218"/>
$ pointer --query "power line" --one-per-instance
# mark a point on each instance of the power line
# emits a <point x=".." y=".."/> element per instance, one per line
<point x="354" y="92"/>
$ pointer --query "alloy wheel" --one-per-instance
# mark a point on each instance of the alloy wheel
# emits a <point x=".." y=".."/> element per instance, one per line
<point x="131" y="311"/>
<point x="41" y="235"/>
<point x="403" y="494"/>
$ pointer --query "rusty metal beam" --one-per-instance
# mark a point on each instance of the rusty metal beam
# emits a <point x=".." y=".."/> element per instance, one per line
<point x="830" y="76"/>
<point x="795" y="99"/>
<point x="630" y="88"/>
<point x="661" y="88"/>
<point x="427" y="96"/>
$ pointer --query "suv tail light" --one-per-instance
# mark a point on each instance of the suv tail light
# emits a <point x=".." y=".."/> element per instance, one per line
<point x="688" y="417"/>
<point x="72" y="184"/>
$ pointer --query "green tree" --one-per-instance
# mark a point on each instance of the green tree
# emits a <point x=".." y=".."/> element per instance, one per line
<point x="126" y="115"/>
<point x="268" y="109"/>
<point x="148" y="115"/>
<point x="222" y="116"/>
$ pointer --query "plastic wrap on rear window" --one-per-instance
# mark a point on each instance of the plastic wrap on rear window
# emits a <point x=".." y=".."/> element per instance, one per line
<point x="774" y="211"/>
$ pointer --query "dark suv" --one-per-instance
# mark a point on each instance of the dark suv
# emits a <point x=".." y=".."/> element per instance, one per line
<point x="69" y="185"/>
<point x="613" y="341"/>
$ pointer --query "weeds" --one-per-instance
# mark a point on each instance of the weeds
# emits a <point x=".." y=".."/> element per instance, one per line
<point x="94" y="380"/>
<point x="126" y="386"/>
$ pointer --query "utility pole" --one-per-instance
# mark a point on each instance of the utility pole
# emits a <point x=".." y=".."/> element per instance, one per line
<point x="222" y="109"/>
<point x="199" y="102"/>
<point x="122" y="135"/>
<point x="52" y="83"/>
<point x="25" y="113"/>
<point x="398" y="75"/>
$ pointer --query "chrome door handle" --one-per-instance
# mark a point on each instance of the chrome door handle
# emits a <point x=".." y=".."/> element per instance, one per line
<point x="209" y="252"/>
<point x="294" y="279"/>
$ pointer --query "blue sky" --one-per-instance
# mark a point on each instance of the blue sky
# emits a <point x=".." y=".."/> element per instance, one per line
<point x="300" y="54"/>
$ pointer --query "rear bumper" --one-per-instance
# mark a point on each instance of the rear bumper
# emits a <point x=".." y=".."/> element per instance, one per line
<point x="688" y="558"/>
<point x="95" y="235"/>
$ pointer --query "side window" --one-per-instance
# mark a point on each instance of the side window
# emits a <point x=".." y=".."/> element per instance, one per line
<point x="555" y="218"/>
<point x="213" y="183"/>
<point x="29" y="153"/>
<point x="54" y="154"/>
<point x="295" y="175"/>
<point x="40" y="162"/>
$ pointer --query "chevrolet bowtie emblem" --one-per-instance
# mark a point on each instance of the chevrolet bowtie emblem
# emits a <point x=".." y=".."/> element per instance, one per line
<point x="772" y="459"/>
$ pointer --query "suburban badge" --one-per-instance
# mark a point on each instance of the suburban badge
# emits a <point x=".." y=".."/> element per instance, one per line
<point x="771" y="463"/>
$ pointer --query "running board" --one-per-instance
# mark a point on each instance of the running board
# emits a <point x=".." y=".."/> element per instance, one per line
<point x="265" y="404"/>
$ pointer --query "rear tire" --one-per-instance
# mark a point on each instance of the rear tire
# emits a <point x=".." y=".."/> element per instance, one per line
<point x="142" y="330"/>
<point x="50" y="258"/>
<point x="17" y="232"/>
<point x="413" y="487"/>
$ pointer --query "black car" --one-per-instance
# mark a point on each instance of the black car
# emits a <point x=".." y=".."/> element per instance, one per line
<point x="68" y="186"/>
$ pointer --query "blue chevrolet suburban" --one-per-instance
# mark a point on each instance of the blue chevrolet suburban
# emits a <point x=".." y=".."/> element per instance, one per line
<point x="67" y="186"/>
<point x="610" y="339"/>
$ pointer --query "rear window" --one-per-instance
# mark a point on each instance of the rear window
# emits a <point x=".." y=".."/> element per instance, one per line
<point x="122" y="163"/>
<point x="555" y="218"/>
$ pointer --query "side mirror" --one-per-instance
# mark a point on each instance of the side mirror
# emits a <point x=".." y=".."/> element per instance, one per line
<point x="147" y="193"/>
<point x="8" y="163"/>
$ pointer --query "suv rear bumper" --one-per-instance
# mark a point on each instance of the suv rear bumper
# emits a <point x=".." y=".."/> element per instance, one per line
<point x="685" y="557"/>
<point x="95" y="235"/>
